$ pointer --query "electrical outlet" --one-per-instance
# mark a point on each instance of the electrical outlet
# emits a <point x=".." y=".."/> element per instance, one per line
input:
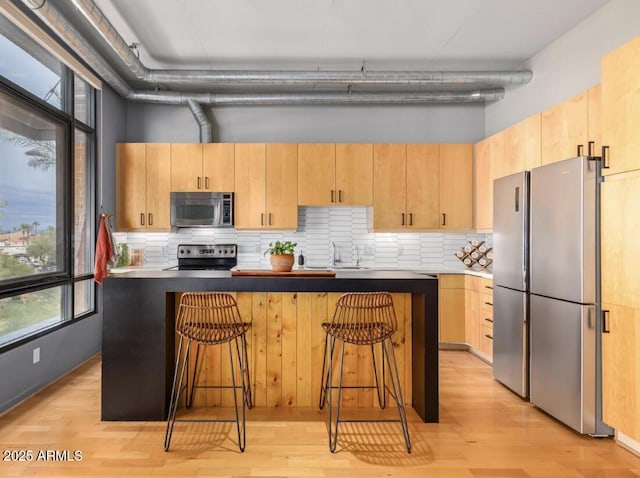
<point x="36" y="355"/>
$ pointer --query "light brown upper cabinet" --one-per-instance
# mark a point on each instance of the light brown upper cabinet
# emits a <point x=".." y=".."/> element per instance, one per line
<point x="202" y="167"/>
<point x="620" y="75"/>
<point x="354" y="174"/>
<point x="389" y="186"/>
<point x="340" y="174"/>
<point x="456" y="183"/>
<point x="522" y="146"/>
<point x="143" y="185"/>
<point x="266" y="186"/>
<point x="316" y="174"/>
<point x="565" y="129"/>
<point x="422" y="186"/>
<point x="406" y="186"/>
<point x="488" y="157"/>
<point x="594" y="119"/>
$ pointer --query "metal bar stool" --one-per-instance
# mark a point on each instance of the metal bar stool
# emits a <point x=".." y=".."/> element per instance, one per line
<point x="210" y="318"/>
<point x="362" y="319"/>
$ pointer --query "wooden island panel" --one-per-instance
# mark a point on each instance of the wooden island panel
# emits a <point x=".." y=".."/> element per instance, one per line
<point x="285" y="348"/>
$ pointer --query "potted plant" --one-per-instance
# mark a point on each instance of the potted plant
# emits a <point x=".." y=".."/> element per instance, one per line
<point x="281" y="255"/>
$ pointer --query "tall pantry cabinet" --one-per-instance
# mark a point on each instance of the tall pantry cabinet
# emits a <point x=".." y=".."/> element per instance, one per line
<point x="620" y="229"/>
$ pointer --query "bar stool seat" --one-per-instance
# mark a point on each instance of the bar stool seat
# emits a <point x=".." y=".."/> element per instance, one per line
<point x="362" y="319"/>
<point x="210" y="318"/>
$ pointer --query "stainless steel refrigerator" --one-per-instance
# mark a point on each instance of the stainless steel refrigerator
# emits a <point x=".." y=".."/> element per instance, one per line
<point x="564" y="293"/>
<point x="510" y="281"/>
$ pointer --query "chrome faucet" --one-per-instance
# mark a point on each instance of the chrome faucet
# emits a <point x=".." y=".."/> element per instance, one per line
<point x="332" y="254"/>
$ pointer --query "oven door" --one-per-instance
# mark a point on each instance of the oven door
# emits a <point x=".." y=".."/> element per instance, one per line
<point x="201" y="209"/>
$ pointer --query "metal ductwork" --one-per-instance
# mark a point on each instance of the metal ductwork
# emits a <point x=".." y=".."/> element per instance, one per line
<point x="52" y="17"/>
<point x="103" y="26"/>
<point x="261" y="99"/>
<point x="201" y="118"/>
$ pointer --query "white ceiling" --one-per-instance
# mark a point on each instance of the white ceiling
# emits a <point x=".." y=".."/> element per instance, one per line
<point x="422" y="34"/>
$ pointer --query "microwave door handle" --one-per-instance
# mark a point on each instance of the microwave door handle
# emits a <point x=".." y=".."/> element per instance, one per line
<point x="217" y="213"/>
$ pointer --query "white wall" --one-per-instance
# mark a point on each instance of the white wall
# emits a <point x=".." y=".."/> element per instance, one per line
<point x="569" y="65"/>
<point x="299" y="124"/>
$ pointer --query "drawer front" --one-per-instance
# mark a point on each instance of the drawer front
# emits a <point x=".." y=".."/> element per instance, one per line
<point x="486" y="341"/>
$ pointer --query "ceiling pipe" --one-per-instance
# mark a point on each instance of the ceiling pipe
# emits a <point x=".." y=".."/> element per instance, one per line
<point x="52" y="17"/>
<point x="103" y="26"/>
<point x="201" y="118"/>
<point x="262" y="99"/>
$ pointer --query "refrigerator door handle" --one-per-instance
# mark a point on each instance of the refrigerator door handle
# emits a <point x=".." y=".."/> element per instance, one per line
<point x="517" y="199"/>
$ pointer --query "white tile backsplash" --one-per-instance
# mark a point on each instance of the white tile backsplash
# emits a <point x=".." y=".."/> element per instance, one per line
<point x="345" y="226"/>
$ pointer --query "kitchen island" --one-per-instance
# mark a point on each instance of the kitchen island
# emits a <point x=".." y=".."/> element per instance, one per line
<point x="138" y="349"/>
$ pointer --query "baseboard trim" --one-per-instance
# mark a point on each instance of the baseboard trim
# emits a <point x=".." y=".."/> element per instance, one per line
<point x="628" y="443"/>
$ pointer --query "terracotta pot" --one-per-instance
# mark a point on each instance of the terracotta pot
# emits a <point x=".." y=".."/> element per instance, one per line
<point x="281" y="262"/>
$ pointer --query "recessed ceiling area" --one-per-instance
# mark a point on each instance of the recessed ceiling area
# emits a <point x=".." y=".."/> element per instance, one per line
<point x="422" y="34"/>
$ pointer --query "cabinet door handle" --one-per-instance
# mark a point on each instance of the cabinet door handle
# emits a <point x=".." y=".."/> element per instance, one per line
<point x="489" y="303"/>
<point x="199" y="183"/>
<point x="150" y="221"/>
<point x="262" y="219"/>
<point x="142" y="219"/>
<point x="269" y="218"/>
<point x="590" y="147"/>
<point x="206" y="182"/>
<point x="444" y="219"/>
<point x="339" y="195"/>
<point x="332" y="196"/>
<point x="411" y="219"/>
<point x="605" y="328"/>
<point x="580" y="148"/>
<point x="402" y="223"/>
<point x="488" y="319"/>
<point x="488" y="336"/>
<point x="488" y="287"/>
<point x="605" y="150"/>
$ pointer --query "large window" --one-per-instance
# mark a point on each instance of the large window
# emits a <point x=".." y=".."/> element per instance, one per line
<point x="47" y="207"/>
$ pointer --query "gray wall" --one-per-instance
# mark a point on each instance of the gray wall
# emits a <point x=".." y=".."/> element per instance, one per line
<point x="65" y="349"/>
<point x="569" y="65"/>
<point x="299" y="124"/>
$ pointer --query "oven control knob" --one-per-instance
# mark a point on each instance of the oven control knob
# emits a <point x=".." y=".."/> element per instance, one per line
<point x="181" y="251"/>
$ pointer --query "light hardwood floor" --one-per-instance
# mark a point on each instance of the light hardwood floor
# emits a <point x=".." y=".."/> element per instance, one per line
<point x="485" y="431"/>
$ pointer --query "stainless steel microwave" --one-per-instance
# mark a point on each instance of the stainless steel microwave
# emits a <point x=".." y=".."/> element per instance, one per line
<point x="201" y="209"/>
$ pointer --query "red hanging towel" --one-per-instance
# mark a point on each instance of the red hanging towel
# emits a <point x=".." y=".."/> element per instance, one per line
<point x="104" y="252"/>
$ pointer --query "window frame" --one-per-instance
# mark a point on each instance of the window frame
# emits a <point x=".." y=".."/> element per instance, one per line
<point x="65" y="277"/>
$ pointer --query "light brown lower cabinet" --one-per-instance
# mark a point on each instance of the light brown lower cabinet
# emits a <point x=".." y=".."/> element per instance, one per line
<point x="466" y="312"/>
<point x="285" y="347"/>
<point x="621" y="369"/>
<point x="451" y="311"/>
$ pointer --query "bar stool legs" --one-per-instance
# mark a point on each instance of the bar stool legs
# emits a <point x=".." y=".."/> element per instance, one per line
<point x="326" y="391"/>
<point x="362" y="319"/>
<point x="244" y="384"/>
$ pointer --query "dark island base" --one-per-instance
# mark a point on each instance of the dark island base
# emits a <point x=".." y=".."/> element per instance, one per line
<point x="138" y="346"/>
